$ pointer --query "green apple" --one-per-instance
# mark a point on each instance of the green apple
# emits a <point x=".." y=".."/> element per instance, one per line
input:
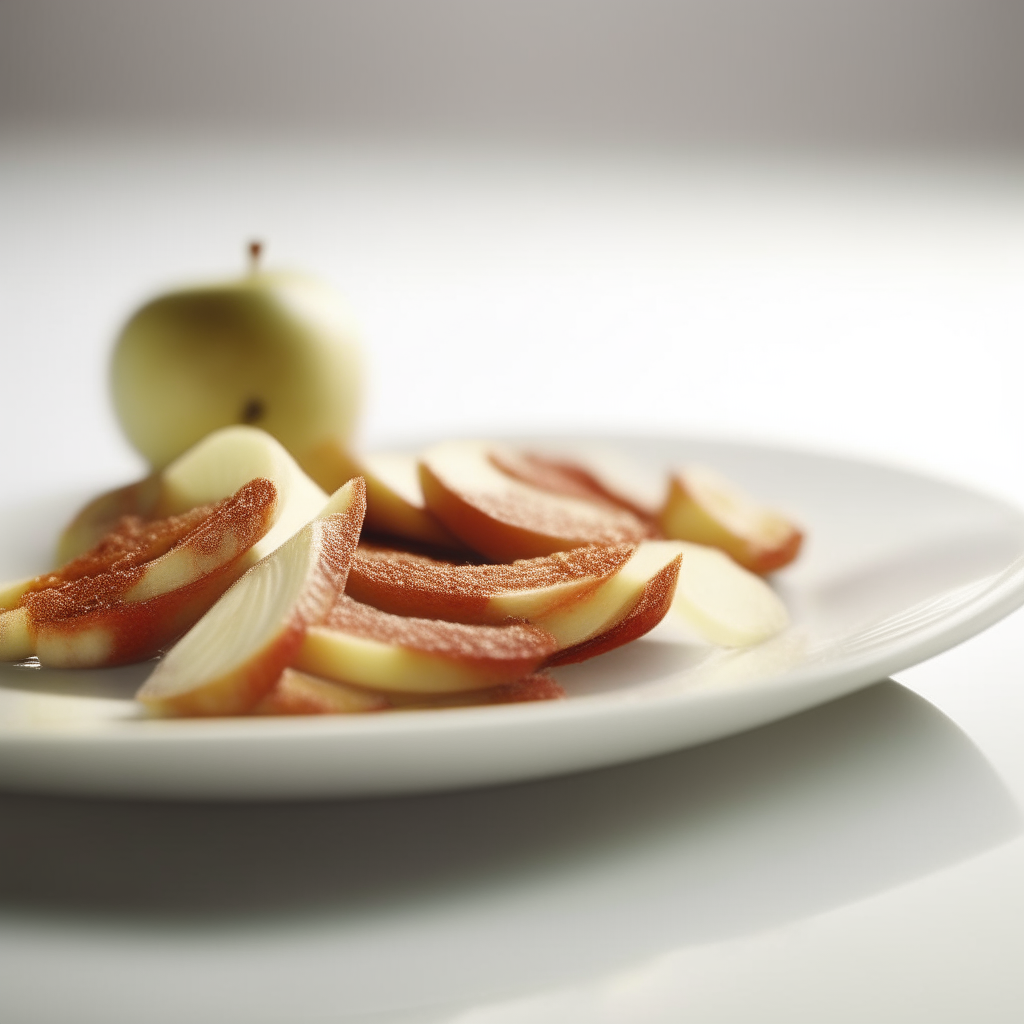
<point x="271" y="350"/>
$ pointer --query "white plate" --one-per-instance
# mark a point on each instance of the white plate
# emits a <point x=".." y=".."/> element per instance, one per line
<point x="897" y="567"/>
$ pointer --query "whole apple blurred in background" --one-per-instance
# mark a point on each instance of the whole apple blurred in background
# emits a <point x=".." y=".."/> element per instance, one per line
<point x="273" y="350"/>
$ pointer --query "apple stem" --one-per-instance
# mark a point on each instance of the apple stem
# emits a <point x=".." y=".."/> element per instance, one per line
<point x="255" y="252"/>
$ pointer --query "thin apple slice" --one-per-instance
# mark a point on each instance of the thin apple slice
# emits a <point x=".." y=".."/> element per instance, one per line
<point x="723" y="602"/>
<point x="234" y="655"/>
<point x="505" y="518"/>
<point x="118" y="604"/>
<point x="406" y="583"/>
<point x="705" y="508"/>
<point x="208" y="472"/>
<point x="298" y="693"/>
<point x="366" y="647"/>
<point x="590" y="599"/>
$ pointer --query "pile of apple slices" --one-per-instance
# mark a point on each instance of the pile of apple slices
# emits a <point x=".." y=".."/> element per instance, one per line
<point x="283" y="604"/>
<point x="573" y="570"/>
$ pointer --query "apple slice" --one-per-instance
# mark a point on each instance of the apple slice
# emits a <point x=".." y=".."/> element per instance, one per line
<point x="505" y="518"/>
<point x="705" y="508"/>
<point x="723" y="602"/>
<point x="405" y="583"/>
<point x="366" y="647"/>
<point x="298" y="693"/>
<point x="140" y="588"/>
<point x="211" y="470"/>
<point x="590" y="599"/>
<point x="234" y="655"/>
<point x="128" y="544"/>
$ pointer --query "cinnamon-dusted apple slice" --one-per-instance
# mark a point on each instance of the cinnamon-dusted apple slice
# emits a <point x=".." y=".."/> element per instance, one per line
<point x="408" y="583"/>
<point x="366" y="647"/>
<point x="506" y="518"/>
<point x="140" y="588"/>
<point x="298" y="693"/>
<point x="723" y="602"/>
<point x="705" y="508"/>
<point x="211" y="470"/>
<point x="590" y="599"/>
<point x="234" y="655"/>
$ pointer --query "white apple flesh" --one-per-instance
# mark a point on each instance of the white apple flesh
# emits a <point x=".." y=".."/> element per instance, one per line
<point x="233" y="656"/>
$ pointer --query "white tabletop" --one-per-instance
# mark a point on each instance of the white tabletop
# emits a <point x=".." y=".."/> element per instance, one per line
<point x="862" y="861"/>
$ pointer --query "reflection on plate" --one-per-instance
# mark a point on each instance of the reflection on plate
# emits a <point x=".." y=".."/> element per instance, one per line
<point x="897" y="568"/>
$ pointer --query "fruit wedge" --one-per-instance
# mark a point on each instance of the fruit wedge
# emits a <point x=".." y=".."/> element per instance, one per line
<point x="298" y="693"/>
<point x="723" y="602"/>
<point x="506" y="518"/>
<point x="394" y="498"/>
<point x="211" y="470"/>
<point x="366" y="647"/>
<point x="589" y="599"/>
<point x="140" y="588"/>
<point x="407" y="583"/>
<point x="704" y="508"/>
<point x="234" y="655"/>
